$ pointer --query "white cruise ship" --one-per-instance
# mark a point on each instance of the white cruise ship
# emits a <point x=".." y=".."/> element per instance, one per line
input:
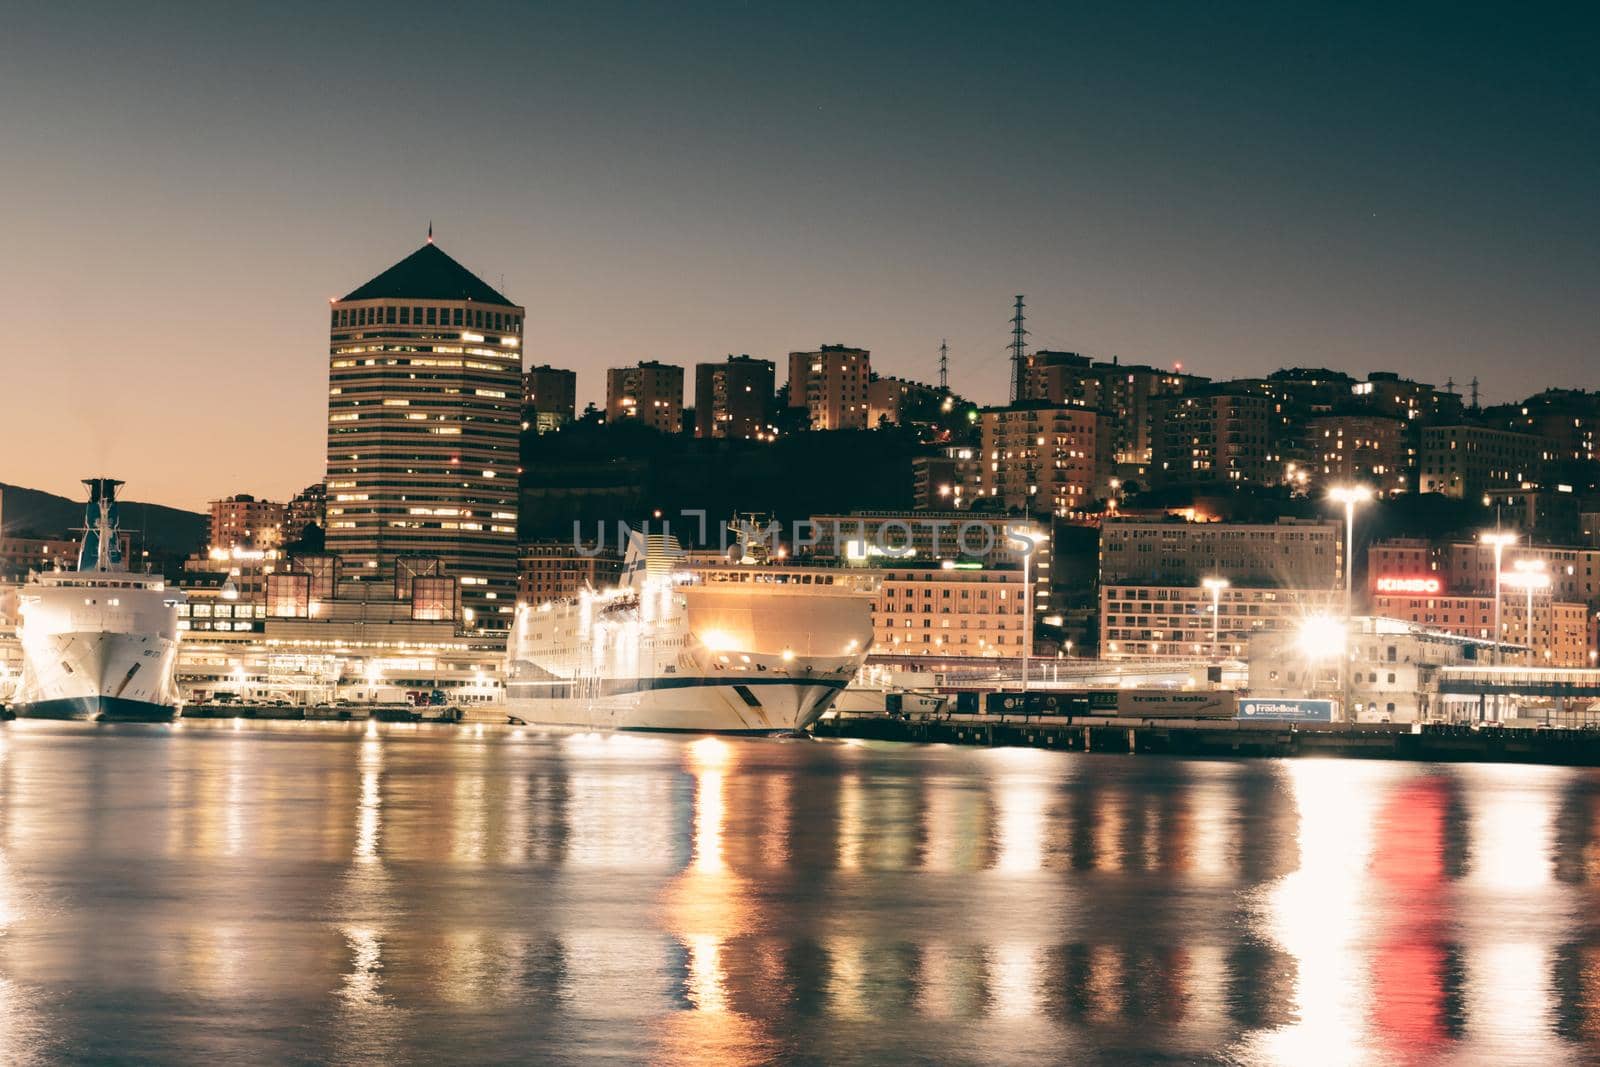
<point x="731" y="648"/>
<point x="98" y="643"/>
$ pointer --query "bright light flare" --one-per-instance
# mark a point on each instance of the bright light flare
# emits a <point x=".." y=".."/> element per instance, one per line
<point x="717" y="640"/>
<point x="1350" y="494"/>
<point x="1321" y="637"/>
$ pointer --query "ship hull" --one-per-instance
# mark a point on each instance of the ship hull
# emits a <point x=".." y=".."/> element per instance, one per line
<point x="106" y="677"/>
<point x="680" y="705"/>
<point x="97" y="709"/>
<point x="722" y="650"/>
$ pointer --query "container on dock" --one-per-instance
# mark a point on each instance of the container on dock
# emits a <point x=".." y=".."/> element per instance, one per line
<point x="1283" y="709"/>
<point x="1036" y="702"/>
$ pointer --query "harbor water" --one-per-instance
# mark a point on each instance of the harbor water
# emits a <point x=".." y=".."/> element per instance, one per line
<point x="219" y="892"/>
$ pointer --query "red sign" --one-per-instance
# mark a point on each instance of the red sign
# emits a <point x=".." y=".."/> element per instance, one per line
<point x="1409" y="585"/>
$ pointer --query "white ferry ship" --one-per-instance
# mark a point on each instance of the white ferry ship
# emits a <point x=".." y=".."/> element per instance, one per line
<point x="725" y="648"/>
<point x="98" y="643"/>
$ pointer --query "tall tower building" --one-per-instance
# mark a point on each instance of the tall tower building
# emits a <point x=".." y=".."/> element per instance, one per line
<point x="424" y="392"/>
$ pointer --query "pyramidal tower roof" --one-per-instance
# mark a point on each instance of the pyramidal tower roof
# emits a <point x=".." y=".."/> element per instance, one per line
<point x="429" y="274"/>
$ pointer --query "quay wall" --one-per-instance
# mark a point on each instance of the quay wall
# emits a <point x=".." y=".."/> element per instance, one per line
<point x="1400" y="741"/>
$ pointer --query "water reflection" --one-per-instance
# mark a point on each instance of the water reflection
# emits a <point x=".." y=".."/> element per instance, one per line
<point x="358" y="894"/>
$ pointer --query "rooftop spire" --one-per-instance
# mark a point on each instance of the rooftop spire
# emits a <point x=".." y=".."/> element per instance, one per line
<point x="430" y="231"/>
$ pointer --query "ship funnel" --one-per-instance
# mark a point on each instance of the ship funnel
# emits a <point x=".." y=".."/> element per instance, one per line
<point x="648" y="556"/>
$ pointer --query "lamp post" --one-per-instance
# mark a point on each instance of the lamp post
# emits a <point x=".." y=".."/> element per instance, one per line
<point x="1498" y="540"/>
<point x="1349" y="496"/>
<point x="1031" y="541"/>
<point x="1528" y="575"/>
<point x="1215" y="586"/>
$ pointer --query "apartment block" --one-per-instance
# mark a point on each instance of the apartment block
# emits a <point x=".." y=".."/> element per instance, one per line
<point x="1357" y="449"/>
<point x="831" y="384"/>
<point x="1175" y="621"/>
<point x="1214" y="438"/>
<point x="938" y="611"/>
<point x="1301" y="553"/>
<point x="733" y="398"/>
<point x="549" y="398"/>
<point x="1466" y="461"/>
<point x="651" y="393"/>
<point x="1045" y="459"/>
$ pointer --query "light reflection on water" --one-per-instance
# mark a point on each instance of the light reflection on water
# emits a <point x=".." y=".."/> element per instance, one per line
<point x="354" y="894"/>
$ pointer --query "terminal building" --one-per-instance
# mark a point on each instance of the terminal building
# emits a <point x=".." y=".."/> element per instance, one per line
<point x="313" y="636"/>
<point x="1395" y="671"/>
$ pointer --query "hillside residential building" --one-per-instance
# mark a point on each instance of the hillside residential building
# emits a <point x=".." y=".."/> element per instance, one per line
<point x="733" y="398"/>
<point x="1044" y="459"/>
<point x="651" y="393"/>
<point x="831" y="384"/>
<point x="549" y="398"/>
<point x="1466" y="461"/>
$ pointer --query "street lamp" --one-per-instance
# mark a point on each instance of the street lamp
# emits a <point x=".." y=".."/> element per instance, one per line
<point x="1498" y="540"/>
<point x="1215" y="586"/>
<point x="1031" y="540"/>
<point x="1528" y="575"/>
<point x="1349" y="496"/>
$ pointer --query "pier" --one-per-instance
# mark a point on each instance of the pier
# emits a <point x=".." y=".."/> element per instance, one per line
<point x="1443" y="743"/>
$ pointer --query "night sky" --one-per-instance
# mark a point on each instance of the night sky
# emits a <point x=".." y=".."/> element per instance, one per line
<point x="1235" y="187"/>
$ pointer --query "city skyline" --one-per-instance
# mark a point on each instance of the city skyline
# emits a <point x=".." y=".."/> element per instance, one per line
<point x="1235" y="192"/>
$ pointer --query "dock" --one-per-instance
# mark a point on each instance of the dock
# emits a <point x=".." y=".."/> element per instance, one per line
<point x="323" y="713"/>
<point x="1444" y="743"/>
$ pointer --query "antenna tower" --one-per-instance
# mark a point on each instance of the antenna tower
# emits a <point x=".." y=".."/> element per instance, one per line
<point x="1019" y="351"/>
<point x="1474" y="392"/>
<point x="944" y="366"/>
